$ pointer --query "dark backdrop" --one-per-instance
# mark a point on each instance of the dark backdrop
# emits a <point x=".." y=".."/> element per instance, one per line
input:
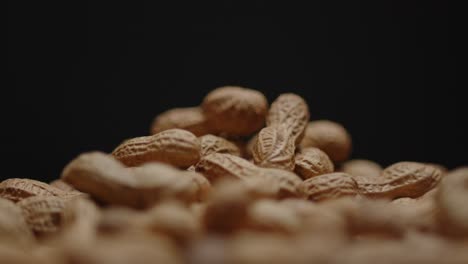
<point x="86" y="76"/>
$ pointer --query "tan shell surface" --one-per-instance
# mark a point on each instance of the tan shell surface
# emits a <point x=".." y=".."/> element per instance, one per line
<point x="311" y="162"/>
<point x="292" y="111"/>
<point x="274" y="148"/>
<point x="172" y="219"/>
<point x="285" y="183"/>
<point x="272" y="216"/>
<point x="174" y="146"/>
<point x="43" y="214"/>
<point x="190" y="118"/>
<point x="214" y="144"/>
<point x="402" y="179"/>
<point x="13" y="227"/>
<point x="16" y="189"/>
<point x="235" y="110"/>
<point x="330" y="137"/>
<point x="109" y="181"/>
<point x="329" y="186"/>
<point x="217" y="165"/>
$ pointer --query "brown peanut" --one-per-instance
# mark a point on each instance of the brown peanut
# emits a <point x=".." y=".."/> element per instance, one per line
<point x="281" y="183"/>
<point x="235" y="110"/>
<point x="80" y="219"/>
<point x="311" y="162"/>
<point x="16" y="189"/>
<point x="191" y="119"/>
<point x="226" y="209"/>
<point x="402" y="179"/>
<point x="330" y="137"/>
<point x="109" y="181"/>
<point x="451" y="199"/>
<point x="13" y="227"/>
<point x="275" y="145"/>
<point x="174" y="146"/>
<point x="362" y="168"/>
<point x="276" y="182"/>
<point x="43" y="213"/>
<point x="292" y="111"/>
<point x="271" y="216"/>
<point x="274" y="148"/>
<point x="329" y="186"/>
<point x="172" y="219"/>
<point x="217" y="165"/>
<point x="213" y="144"/>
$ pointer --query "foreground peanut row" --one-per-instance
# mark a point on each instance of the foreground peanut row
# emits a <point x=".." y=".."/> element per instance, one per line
<point x="236" y="180"/>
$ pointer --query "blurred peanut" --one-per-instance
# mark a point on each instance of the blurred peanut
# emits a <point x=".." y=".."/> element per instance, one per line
<point x="235" y="110"/>
<point x="190" y="118"/>
<point x="330" y="137"/>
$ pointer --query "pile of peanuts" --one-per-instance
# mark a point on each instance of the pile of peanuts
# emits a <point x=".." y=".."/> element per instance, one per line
<point x="237" y="180"/>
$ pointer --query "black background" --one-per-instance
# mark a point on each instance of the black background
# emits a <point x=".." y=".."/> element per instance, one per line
<point x="86" y="76"/>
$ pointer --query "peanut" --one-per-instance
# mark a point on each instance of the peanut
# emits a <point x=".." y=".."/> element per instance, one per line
<point x="43" y="213"/>
<point x="329" y="186"/>
<point x="213" y="144"/>
<point x="59" y="184"/>
<point x="217" y="165"/>
<point x="226" y="208"/>
<point x="174" y="146"/>
<point x="80" y="220"/>
<point x="109" y="181"/>
<point x="235" y="110"/>
<point x="271" y="216"/>
<point x="311" y="162"/>
<point x="402" y="179"/>
<point x="172" y="219"/>
<point x="292" y="111"/>
<point x="18" y="189"/>
<point x="274" y="148"/>
<point x="281" y="183"/>
<point x="276" y="182"/>
<point x="451" y="201"/>
<point x="361" y="167"/>
<point x="191" y="119"/>
<point x="275" y="145"/>
<point x="13" y="227"/>
<point x="330" y="137"/>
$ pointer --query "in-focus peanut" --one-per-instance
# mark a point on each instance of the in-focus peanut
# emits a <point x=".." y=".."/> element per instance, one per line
<point x="174" y="146"/>
<point x="311" y="162"/>
<point x="214" y="144"/>
<point x="402" y="179"/>
<point x="276" y="144"/>
<point x="329" y="186"/>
